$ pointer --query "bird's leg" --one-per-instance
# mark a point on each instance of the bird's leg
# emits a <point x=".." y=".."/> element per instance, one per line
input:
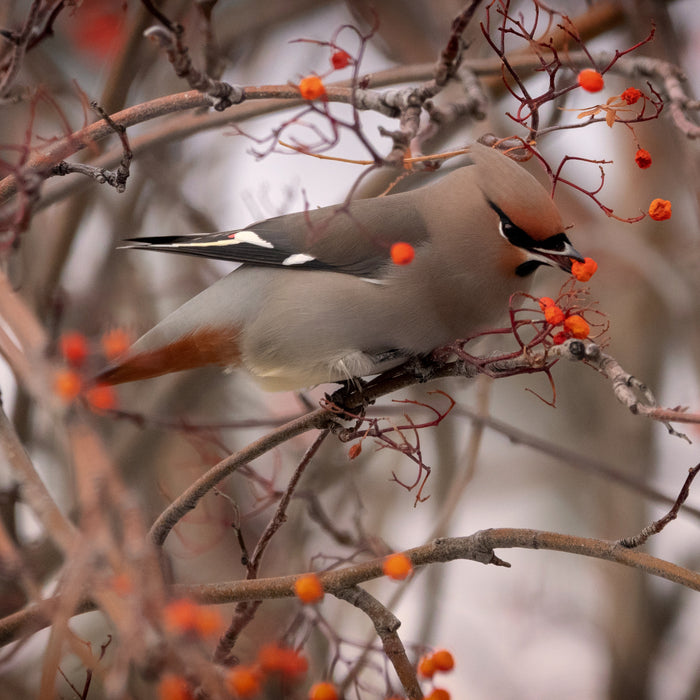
<point x="349" y="399"/>
<point x="420" y="366"/>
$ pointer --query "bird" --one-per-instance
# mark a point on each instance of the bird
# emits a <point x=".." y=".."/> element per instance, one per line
<point x="318" y="298"/>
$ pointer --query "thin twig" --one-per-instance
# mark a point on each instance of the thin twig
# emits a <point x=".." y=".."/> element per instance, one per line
<point x="386" y="625"/>
<point x="19" y="42"/>
<point x="189" y="499"/>
<point x="117" y="178"/>
<point x="658" y="525"/>
<point x="245" y="612"/>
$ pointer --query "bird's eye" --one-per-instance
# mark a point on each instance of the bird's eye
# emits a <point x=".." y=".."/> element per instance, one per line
<point x="510" y="231"/>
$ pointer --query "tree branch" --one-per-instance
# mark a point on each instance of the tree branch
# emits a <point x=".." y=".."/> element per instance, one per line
<point x="478" y="547"/>
<point x="386" y="625"/>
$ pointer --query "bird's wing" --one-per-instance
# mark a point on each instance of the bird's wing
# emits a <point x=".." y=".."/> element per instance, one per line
<point x="354" y="238"/>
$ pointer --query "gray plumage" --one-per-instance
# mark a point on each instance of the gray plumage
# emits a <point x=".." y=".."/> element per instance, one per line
<point x="319" y="299"/>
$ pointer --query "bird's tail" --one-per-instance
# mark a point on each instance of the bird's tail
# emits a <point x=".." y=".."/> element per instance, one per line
<point x="201" y="347"/>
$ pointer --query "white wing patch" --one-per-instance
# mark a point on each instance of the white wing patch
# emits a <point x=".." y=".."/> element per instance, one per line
<point x="249" y="237"/>
<point x="200" y="244"/>
<point x="298" y="259"/>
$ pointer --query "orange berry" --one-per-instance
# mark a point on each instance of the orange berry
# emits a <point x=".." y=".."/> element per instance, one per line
<point x="583" y="271"/>
<point x="559" y="338"/>
<point x="115" y="343"/>
<point x="402" y="253"/>
<point x="643" y="159"/>
<point x="287" y="662"/>
<point x="270" y="657"/>
<point x="590" y="80"/>
<point x="67" y="384"/>
<point x="426" y="666"/>
<point x="308" y="589"/>
<point x="101" y="397"/>
<point x="323" y="691"/>
<point x="180" y="615"/>
<point x="577" y="326"/>
<point x="340" y="59"/>
<point x="312" y="87"/>
<point x="243" y="681"/>
<point x="122" y="584"/>
<point x="553" y="315"/>
<point x="355" y="450"/>
<point x="545" y="302"/>
<point x="631" y="95"/>
<point x="172" y="687"/>
<point x="397" y="566"/>
<point x="208" y="622"/>
<point x="438" y="694"/>
<point x="443" y="659"/>
<point x="184" y="615"/>
<point x="74" y="348"/>
<point x="660" y="209"/>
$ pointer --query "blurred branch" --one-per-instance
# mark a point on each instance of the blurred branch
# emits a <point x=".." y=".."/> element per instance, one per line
<point x="25" y="343"/>
<point x="386" y="625"/>
<point x="571" y="458"/>
<point x="20" y="42"/>
<point x="31" y="34"/>
<point x="33" y="491"/>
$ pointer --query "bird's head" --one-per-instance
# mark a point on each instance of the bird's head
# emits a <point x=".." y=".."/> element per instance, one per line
<point x="552" y="249"/>
<point x="524" y="214"/>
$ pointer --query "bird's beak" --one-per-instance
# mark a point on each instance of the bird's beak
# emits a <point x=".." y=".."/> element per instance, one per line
<point x="560" y="258"/>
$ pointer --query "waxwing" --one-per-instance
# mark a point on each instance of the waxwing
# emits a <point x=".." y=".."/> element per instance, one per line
<point x="319" y="299"/>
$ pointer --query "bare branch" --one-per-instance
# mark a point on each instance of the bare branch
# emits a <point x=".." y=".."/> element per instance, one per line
<point x="245" y="611"/>
<point x="116" y="179"/>
<point x="222" y="94"/>
<point x="33" y="490"/>
<point x="658" y="525"/>
<point x="189" y="499"/>
<point x="386" y="625"/>
<point x="478" y="547"/>
<point x="20" y="42"/>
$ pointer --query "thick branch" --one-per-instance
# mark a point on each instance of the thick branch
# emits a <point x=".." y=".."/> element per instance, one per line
<point x="478" y="547"/>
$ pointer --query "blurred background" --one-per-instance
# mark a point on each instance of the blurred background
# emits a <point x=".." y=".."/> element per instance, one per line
<point x="554" y="625"/>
